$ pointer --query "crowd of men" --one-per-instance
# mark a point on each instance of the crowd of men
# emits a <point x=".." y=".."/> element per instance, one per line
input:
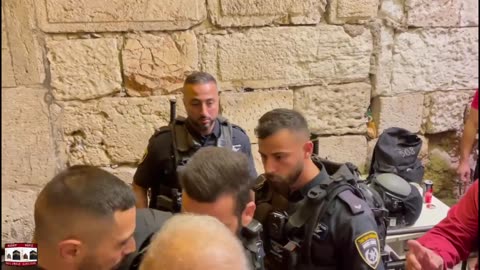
<point x="196" y="202"/>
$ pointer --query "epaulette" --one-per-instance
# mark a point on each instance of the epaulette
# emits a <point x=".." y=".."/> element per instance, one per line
<point x="239" y="128"/>
<point x="355" y="204"/>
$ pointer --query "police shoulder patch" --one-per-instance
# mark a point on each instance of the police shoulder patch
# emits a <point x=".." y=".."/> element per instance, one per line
<point x="368" y="246"/>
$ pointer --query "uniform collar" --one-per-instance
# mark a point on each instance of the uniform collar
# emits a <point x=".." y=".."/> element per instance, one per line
<point x="196" y="134"/>
<point x="317" y="180"/>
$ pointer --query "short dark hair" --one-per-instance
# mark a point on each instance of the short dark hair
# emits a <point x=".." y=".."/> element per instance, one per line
<point x="199" y="77"/>
<point x="277" y="119"/>
<point x="215" y="171"/>
<point x="78" y="191"/>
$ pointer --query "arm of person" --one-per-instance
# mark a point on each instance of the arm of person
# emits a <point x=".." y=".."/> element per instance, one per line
<point x="454" y="237"/>
<point x="468" y="140"/>
<point x="147" y="171"/>
<point x="357" y="237"/>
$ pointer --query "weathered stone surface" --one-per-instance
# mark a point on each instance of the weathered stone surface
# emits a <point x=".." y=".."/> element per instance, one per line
<point x="274" y="57"/>
<point x="424" y="13"/>
<point x="109" y="130"/>
<point x="25" y="50"/>
<point x="334" y="109"/>
<point x="469" y="13"/>
<point x="404" y="111"/>
<point x="350" y="11"/>
<point x="382" y="55"/>
<point x="392" y="11"/>
<point x="445" y="111"/>
<point x="8" y="77"/>
<point x="125" y="173"/>
<point x="442" y="164"/>
<point x="158" y="62"/>
<point x="119" y="15"/>
<point x="27" y="145"/>
<point x="227" y="13"/>
<point x="244" y="109"/>
<point x="84" y="69"/>
<point x="257" y="159"/>
<point x="344" y="148"/>
<point x="435" y="59"/>
<point x="17" y="214"/>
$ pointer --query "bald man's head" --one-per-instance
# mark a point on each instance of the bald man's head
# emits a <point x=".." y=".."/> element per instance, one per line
<point x="193" y="242"/>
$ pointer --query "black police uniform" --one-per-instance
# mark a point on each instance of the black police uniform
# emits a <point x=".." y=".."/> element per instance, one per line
<point x="150" y="221"/>
<point x="156" y="170"/>
<point x="346" y="237"/>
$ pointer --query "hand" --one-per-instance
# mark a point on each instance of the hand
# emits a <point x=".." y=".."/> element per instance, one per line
<point x="422" y="258"/>
<point x="463" y="171"/>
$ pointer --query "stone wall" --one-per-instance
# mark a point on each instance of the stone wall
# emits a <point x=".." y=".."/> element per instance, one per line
<point x="87" y="82"/>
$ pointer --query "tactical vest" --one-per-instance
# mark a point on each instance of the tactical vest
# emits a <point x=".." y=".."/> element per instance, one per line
<point x="184" y="145"/>
<point x="289" y="227"/>
<point x="252" y="242"/>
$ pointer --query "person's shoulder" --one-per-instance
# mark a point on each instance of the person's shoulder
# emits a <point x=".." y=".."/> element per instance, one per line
<point x="239" y="134"/>
<point x="161" y="137"/>
<point x="351" y="204"/>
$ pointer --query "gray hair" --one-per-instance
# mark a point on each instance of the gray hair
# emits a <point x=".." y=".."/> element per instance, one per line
<point x="189" y="241"/>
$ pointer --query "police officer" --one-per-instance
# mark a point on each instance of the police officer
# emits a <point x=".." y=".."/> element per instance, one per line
<point x="171" y="147"/>
<point x="148" y="222"/>
<point x="215" y="182"/>
<point x="298" y="235"/>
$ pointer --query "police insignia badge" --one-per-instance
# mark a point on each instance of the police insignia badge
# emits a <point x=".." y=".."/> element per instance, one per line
<point x="144" y="156"/>
<point x="368" y="247"/>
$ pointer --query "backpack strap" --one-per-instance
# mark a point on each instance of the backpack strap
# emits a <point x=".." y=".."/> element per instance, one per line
<point x="333" y="190"/>
<point x="226" y="133"/>
<point x="137" y="258"/>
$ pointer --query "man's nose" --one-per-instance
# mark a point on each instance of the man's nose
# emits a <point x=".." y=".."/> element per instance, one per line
<point x="204" y="110"/>
<point x="268" y="166"/>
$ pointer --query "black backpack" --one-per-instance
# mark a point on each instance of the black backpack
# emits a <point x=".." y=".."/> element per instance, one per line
<point x="363" y="190"/>
<point x="396" y="151"/>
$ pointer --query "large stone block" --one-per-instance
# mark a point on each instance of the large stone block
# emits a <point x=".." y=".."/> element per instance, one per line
<point x="349" y="148"/>
<point x="469" y="13"/>
<point x="435" y="59"/>
<point x="110" y="130"/>
<point x="23" y="36"/>
<point x="445" y="111"/>
<point x="8" y="76"/>
<point x="227" y="13"/>
<point x="404" y="111"/>
<point x="392" y="11"/>
<point x="334" y="109"/>
<point x="382" y="55"/>
<point x="158" y="63"/>
<point x="27" y="145"/>
<point x="423" y="13"/>
<point x="125" y="173"/>
<point x="287" y="56"/>
<point x="351" y="11"/>
<point x="84" y="69"/>
<point x="244" y="109"/>
<point x="119" y="15"/>
<point x="17" y="214"/>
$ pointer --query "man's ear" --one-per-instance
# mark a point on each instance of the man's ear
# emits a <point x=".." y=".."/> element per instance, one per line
<point x="308" y="149"/>
<point x="70" y="250"/>
<point x="248" y="212"/>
